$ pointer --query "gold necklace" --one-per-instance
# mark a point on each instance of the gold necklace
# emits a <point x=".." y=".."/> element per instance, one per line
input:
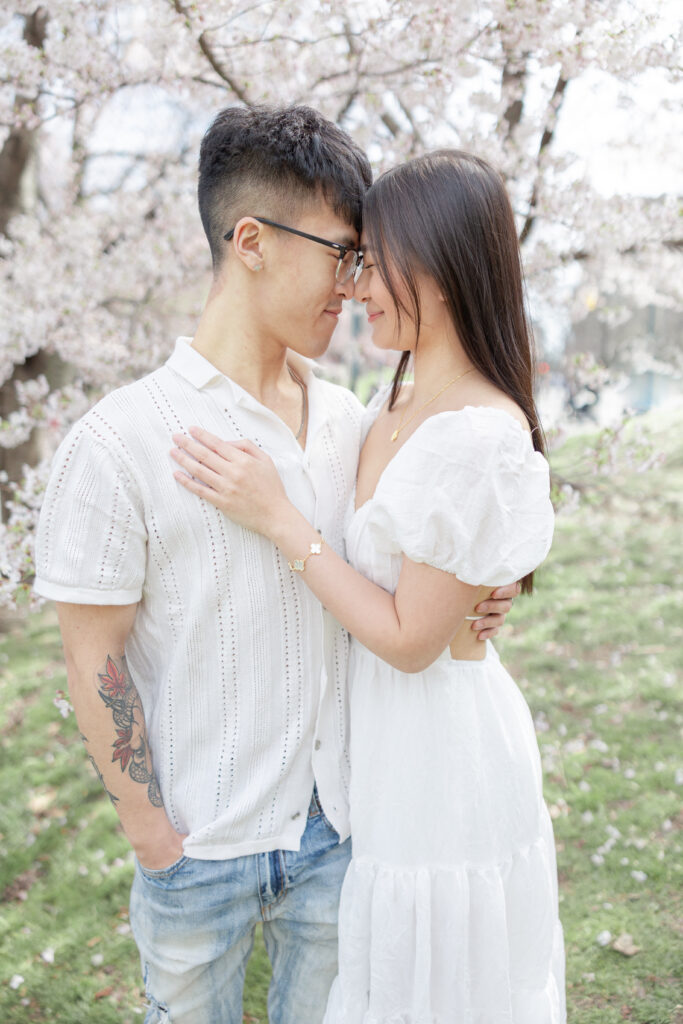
<point x="401" y="425"/>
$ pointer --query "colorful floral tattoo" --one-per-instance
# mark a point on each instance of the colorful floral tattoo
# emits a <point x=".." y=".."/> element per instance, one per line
<point x="131" y="748"/>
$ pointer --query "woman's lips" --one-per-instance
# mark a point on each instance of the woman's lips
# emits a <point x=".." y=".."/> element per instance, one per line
<point x="373" y="316"/>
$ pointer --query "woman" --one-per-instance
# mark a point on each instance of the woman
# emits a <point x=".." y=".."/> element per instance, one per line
<point x="449" y="907"/>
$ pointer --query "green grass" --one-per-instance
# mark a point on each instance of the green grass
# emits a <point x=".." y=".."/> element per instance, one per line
<point x="597" y="653"/>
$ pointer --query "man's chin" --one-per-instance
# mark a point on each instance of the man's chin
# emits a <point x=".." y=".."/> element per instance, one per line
<point x="318" y="342"/>
<point x="312" y="350"/>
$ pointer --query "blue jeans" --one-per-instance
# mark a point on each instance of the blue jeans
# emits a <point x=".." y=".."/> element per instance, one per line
<point x="194" y="925"/>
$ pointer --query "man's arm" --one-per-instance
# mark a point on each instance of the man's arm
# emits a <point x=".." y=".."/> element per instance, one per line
<point x="112" y="725"/>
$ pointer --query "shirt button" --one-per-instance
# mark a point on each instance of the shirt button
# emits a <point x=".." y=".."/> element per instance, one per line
<point x="317" y="744"/>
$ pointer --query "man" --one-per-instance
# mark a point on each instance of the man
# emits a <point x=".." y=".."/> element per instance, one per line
<point x="209" y="685"/>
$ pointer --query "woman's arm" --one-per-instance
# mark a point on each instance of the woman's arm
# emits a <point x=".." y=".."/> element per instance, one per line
<point x="408" y="629"/>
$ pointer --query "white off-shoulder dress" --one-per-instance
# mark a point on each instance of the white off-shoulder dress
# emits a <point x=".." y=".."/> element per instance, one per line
<point x="449" y="908"/>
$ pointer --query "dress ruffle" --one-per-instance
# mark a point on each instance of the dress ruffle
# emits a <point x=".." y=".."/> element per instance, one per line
<point x="444" y="944"/>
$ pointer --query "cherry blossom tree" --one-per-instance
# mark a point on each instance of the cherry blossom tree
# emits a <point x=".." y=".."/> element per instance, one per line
<point x="102" y="107"/>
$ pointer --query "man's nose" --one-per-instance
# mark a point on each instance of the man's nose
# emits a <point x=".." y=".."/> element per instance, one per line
<point x="345" y="288"/>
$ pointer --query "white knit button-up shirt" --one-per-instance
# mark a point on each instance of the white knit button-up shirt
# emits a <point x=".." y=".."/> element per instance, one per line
<point x="241" y="672"/>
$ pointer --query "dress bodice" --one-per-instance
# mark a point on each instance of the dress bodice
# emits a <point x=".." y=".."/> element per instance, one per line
<point x="466" y="493"/>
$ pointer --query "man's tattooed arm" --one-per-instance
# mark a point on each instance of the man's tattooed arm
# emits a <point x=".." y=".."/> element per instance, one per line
<point x="109" y="713"/>
<point x="130" y="746"/>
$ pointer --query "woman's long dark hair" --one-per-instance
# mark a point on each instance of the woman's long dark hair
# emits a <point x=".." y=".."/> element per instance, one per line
<point x="448" y="215"/>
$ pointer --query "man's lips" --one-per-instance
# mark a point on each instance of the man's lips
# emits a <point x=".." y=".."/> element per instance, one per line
<point x="333" y="312"/>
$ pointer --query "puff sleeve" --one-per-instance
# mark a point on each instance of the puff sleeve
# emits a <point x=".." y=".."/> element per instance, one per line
<point x="468" y="494"/>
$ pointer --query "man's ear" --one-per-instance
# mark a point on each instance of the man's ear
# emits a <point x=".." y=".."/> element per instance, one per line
<point x="247" y="242"/>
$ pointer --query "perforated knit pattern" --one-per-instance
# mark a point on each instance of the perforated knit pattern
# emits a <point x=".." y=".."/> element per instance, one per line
<point x="242" y="674"/>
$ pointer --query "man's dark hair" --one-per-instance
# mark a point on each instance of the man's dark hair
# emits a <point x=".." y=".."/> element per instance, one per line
<point x="274" y="162"/>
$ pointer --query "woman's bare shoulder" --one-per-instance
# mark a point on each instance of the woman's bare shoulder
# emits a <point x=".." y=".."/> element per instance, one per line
<point x="481" y="392"/>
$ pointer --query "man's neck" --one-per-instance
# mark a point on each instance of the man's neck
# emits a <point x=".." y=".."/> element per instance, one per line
<point x="230" y="339"/>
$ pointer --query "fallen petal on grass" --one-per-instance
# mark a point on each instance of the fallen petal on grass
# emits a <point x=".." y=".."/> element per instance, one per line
<point x="39" y="802"/>
<point x="624" y="944"/>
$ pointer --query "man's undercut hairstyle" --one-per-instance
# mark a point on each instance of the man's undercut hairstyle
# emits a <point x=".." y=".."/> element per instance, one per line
<point x="276" y="162"/>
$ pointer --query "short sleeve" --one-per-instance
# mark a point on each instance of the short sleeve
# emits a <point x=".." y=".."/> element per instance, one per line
<point x="91" y="542"/>
<point x="467" y="494"/>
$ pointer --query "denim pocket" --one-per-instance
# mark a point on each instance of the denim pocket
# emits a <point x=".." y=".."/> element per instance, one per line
<point x="159" y="874"/>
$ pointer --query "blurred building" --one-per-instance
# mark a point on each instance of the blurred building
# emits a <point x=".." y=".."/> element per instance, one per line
<point x="641" y="348"/>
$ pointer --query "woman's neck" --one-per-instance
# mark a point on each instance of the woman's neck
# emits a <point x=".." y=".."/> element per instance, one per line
<point x="435" y="365"/>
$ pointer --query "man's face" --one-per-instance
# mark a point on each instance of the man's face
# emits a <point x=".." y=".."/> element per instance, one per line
<point x="301" y="298"/>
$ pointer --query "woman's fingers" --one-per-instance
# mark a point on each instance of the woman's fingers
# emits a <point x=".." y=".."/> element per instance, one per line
<point x="249" y="448"/>
<point x="228" y="449"/>
<point x="209" y="440"/>
<point x="221" y="462"/>
<point x="206" y="454"/>
<point x="196" y="487"/>
<point x="196" y="468"/>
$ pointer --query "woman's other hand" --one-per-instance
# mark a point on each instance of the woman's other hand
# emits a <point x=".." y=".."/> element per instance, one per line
<point x="235" y="476"/>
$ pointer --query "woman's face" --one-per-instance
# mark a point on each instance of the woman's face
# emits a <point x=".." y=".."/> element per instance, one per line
<point x="381" y="311"/>
<point x="388" y="331"/>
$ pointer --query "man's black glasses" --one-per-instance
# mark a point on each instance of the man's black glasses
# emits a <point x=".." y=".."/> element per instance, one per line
<point x="349" y="264"/>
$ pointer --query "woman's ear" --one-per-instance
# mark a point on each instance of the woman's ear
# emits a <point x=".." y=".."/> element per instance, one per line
<point x="247" y="241"/>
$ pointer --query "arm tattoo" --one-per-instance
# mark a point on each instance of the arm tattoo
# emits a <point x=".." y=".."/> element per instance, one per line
<point x="131" y="748"/>
<point x="98" y="773"/>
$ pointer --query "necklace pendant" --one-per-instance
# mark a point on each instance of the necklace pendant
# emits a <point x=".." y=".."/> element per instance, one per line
<point x="394" y="435"/>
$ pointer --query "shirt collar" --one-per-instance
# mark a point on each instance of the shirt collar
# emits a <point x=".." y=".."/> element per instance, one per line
<point x="187" y="362"/>
<point x="197" y="370"/>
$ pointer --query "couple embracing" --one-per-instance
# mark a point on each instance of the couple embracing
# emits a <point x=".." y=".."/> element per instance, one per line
<point x="278" y="638"/>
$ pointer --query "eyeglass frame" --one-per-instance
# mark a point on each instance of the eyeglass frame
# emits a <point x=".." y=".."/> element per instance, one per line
<point x="357" y="268"/>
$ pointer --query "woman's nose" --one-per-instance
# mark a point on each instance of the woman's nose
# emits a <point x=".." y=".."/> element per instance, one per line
<point x="360" y="288"/>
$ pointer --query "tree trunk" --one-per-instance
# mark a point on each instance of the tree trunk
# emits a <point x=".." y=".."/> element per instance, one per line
<point x="15" y="160"/>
